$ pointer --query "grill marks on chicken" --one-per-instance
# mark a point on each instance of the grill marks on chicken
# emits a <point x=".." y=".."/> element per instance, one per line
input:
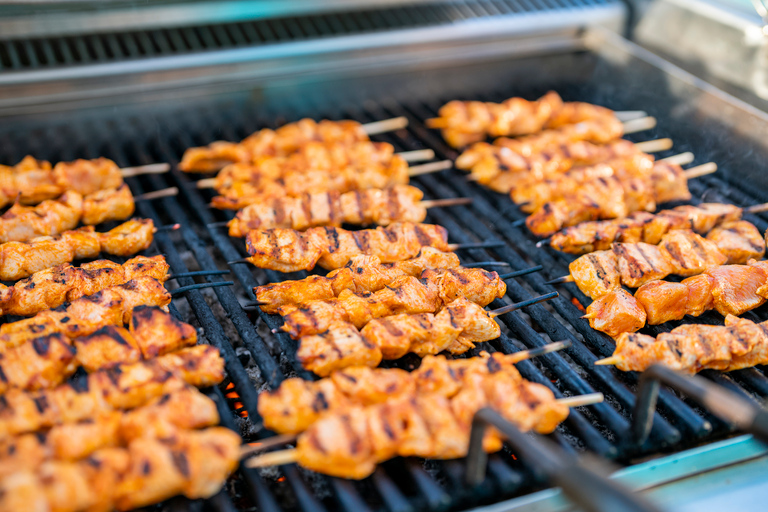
<point x="22" y="259"/>
<point x="32" y="181"/>
<point x="360" y="275"/>
<point x="362" y="207"/>
<point x="288" y="250"/>
<point x="282" y="142"/>
<point x="53" y="287"/>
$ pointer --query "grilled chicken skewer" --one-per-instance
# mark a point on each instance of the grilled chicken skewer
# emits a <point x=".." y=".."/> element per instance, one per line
<point x="681" y="252"/>
<point x="126" y="386"/>
<point x="32" y="181"/>
<point x="350" y="442"/>
<point x="455" y="328"/>
<point x="298" y="403"/>
<point x="615" y="196"/>
<point x="22" y="259"/>
<point x="288" y="250"/>
<point x="740" y="343"/>
<point x="149" y="470"/>
<point x="401" y="203"/>
<point x="53" y="287"/>
<point x="282" y="142"/>
<point x="728" y="289"/>
<point x="647" y="227"/>
<point x="46" y="361"/>
<point x="52" y="217"/>
<point x="83" y="316"/>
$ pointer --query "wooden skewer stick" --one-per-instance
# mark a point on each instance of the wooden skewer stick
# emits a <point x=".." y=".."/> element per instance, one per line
<point x="206" y="183"/>
<point x="419" y="155"/>
<point x="451" y="201"/>
<point x="524" y="355"/>
<point x="429" y="168"/>
<point x="386" y="125"/>
<point x="654" y="146"/>
<point x="629" y="115"/>
<point x="518" y="305"/>
<point x="129" y="172"/>
<point x="639" y="125"/>
<point x="756" y="208"/>
<point x="565" y="279"/>
<point x="289" y="456"/>
<point x="266" y="444"/>
<point x="681" y="159"/>
<point x="157" y="194"/>
<point x="700" y="170"/>
<point x="624" y="116"/>
<point x="613" y="360"/>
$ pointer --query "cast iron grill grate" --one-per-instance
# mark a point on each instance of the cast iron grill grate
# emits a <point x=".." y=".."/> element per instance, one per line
<point x="399" y="485"/>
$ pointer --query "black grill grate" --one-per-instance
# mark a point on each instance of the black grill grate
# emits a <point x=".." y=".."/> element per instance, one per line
<point x="399" y="485"/>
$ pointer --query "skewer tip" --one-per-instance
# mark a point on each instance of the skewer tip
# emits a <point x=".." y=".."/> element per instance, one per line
<point x="562" y="279"/>
<point x="278" y="458"/>
<point x="582" y="400"/>
<point x="613" y="360"/>
<point x="540" y="243"/>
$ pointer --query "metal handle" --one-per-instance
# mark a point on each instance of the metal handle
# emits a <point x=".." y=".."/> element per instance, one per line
<point x="581" y="485"/>
<point x="724" y="404"/>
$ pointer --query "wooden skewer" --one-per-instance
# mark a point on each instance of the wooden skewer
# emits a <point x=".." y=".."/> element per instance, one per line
<point x="524" y="355"/>
<point x="206" y="183"/>
<point x="756" y="208"/>
<point x="451" y="201"/>
<point x="386" y="125"/>
<point x="429" y="168"/>
<point x="613" y="360"/>
<point x="157" y="194"/>
<point x="289" y="456"/>
<point x="681" y="159"/>
<point x="518" y="305"/>
<point x="629" y="115"/>
<point x="419" y="155"/>
<point x="626" y="116"/>
<point x="654" y="146"/>
<point x="129" y="172"/>
<point x="266" y="444"/>
<point x="565" y="279"/>
<point x="639" y="125"/>
<point x="700" y="170"/>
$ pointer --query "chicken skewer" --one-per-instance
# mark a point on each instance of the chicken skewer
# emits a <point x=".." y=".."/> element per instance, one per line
<point x="52" y="217"/>
<point x="193" y="463"/>
<point x="46" y="361"/>
<point x="502" y="166"/>
<point x="401" y="203"/>
<point x="646" y="227"/>
<point x="615" y="197"/>
<point x="455" y="328"/>
<point x="728" y="289"/>
<point x="284" y="141"/>
<point x="32" y="181"/>
<point x="22" y="259"/>
<point x="124" y="387"/>
<point x="680" y="252"/>
<point x="738" y="344"/>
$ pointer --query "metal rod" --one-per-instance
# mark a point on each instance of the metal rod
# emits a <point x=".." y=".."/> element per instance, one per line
<point x="523" y="272"/>
<point x="479" y="245"/>
<point x="522" y="304"/>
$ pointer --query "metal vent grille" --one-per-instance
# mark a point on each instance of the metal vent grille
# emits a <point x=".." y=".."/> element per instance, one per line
<point x="56" y="52"/>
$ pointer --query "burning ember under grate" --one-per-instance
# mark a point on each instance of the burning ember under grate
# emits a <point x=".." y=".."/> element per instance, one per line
<point x="257" y="358"/>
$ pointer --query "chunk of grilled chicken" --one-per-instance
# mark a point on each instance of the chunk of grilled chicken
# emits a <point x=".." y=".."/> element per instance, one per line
<point x="53" y="287"/>
<point x="405" y="294"/>
<point x="611" y="197"/>
<point x="690" y="348"/>
<point x="362" y="207"/>
<point x="423" y="425"/>
<point x="361" y="274"/>
<point x="22" y="259"/>
<point x="33" y="181"/>
<point x="680" y="252"/>
<point x="298" y="403"/>
<point x="108" y="204"/>
<point x="644" y="227"/>
<point x="83" y="316"/>
<point x="284" y="141"/>
<point x="123" y="387"/>
<point x="149" y="470"/>
<point x="456" y="328"/>
<point x="728" y="289"/>
<point x="501" y="167"/>
<point x="288" y="250"/>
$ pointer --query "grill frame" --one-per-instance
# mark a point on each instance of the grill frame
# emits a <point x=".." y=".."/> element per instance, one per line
<point x="128" y="143"/>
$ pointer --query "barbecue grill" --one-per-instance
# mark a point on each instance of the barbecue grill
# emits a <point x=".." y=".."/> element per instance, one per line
<point x="140" y="94"/>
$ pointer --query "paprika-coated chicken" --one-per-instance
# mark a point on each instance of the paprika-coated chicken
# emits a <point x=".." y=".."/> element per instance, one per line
<point x="363" y="207"/>
<point x="53" y="287"/>
<point x="83" y="316"/>
<point x="33" y="181"/>
<point x="681" y="252"/>
<point x="455" y="328"/>
<point x="54" y="216"/>
<point x="361" y="274"/>
<point x="728" y="289"/>
<point x="185" y="408"/>
<point x="405" y="294"/>
<point x="193" y="463"/>
<point x="282" y="142"/>
<point x="22" y="259"/>
<point x="298" y="403"/>
<point x="611" y="197"/>
<point x="126" y="386"/>
<point x="643" y="227"/>
<point x="690" y="348"/>
<point x="288" y="250"/>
